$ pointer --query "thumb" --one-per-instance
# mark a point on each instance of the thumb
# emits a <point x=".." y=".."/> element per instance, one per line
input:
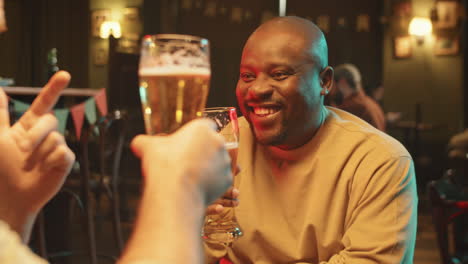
<point x="138" y="144"/>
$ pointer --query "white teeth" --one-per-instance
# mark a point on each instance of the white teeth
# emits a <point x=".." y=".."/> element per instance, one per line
<point x="264" y="111"/>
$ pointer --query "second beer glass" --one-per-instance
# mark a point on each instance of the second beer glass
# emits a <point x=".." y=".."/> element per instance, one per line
<point x="223" y="228"/>
<point x="174" y="76"/>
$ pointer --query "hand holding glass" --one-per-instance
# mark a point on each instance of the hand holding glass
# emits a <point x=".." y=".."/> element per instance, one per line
<point x="223" y="228"/>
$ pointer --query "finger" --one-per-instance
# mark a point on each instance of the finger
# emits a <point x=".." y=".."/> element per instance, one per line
<point x="49" y="95"/>
<point x="232" y="193"/>
<point x="48" y="145"/>
<point x="228" y="202"/>
<point x="46" y="99"/>
<point x="60" y="159"/>
<point x="4" y="113"/>
<point x="138" y="143"/>
<point x="37" y="133"/>
<point x="214" y="209"/>
<point x="58" y="163"/>
<point x="237" y="170"/>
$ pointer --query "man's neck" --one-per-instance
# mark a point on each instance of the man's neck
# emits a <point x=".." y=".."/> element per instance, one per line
<point x="323" y="113"/>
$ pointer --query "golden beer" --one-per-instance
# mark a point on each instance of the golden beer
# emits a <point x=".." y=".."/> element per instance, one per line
<point x="232" y="148"/>
<point x="172" y="96"/>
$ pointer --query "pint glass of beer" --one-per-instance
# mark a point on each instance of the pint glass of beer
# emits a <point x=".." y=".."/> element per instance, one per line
<point x="174" y="77"/>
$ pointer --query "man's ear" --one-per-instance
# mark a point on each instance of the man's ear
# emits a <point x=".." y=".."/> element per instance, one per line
<point x="326" y="80"/>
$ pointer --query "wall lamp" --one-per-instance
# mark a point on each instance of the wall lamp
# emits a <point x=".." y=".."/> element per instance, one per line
<point x="420" y="27"/>
<point x="110" y="28"/>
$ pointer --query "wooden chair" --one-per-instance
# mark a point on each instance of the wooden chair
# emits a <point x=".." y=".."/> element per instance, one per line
<point x="449" y="205"/>
<point x="111" y="138"/>
<point x="105" y="139"/>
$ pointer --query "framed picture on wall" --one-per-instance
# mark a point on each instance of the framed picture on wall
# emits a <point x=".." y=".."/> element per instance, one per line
<point x="100" y="56"/>
<point x="97" y="18"/>
<point x="402" y="47"/>
<point x="402" y="14"/>
<point x="131" y="23"/>
<point x="446" y="46"/>
<point x="447" y="14"/>
<point x="402" y="9"/>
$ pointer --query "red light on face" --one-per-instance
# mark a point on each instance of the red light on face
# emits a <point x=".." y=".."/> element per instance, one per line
<point x="233" y="116"/>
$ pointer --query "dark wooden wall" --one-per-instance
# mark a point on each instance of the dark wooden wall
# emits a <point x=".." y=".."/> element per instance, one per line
<point x="227" y="35"/>
<point x="465" y="64"/>
<point x="35" y="27"/>
<point x="345" y="43"/>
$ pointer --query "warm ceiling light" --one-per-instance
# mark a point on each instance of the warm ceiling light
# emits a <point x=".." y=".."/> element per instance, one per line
<point x="420" y="27"/>
<point x="110" y="28"/>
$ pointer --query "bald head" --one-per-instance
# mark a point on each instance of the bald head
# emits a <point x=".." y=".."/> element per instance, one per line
<point x="311" y="38"/>
<point x="284" y="76"/>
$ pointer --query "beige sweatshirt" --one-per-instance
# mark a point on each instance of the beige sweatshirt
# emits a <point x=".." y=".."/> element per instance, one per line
<point x="347" y="196"/>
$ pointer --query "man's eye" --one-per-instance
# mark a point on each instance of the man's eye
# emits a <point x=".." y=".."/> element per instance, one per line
<point x="247" y="77"/>
<point x="280" y="75"/>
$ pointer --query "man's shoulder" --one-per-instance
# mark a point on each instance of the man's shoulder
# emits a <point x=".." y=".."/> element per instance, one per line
<point x="351" y="129"/>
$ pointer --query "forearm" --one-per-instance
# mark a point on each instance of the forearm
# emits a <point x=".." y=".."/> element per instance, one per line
<point x="167" y="231"/>
<point x="19" y="221"/>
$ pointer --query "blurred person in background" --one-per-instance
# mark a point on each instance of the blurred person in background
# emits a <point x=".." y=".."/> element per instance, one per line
<point x="355" y="101"/>
<point x="333" y="98"/>
<point x="377" y="93"/>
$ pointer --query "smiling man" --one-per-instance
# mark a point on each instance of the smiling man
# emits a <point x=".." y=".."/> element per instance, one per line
<point x="282" y="78"/>
<point x="317" y="184"/>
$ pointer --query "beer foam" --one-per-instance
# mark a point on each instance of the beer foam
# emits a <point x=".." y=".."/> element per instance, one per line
<point x="173" y="70"/>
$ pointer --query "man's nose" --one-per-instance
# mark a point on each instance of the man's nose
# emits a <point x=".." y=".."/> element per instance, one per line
<point x="260" y="89"/>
